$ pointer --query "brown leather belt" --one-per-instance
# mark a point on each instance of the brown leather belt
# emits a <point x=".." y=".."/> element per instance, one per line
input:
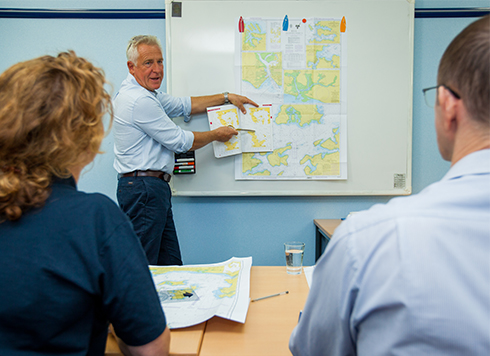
<point x="162" y="175"/>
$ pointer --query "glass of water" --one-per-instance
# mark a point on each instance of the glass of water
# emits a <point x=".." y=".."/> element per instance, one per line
<point x="294" y="256"/>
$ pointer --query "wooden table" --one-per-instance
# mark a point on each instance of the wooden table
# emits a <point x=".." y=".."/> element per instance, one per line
<point x="269" y="321"/>
<point x="183" y="342"/>
<point x="266" y="331"/>
<point x="324" y="231"/>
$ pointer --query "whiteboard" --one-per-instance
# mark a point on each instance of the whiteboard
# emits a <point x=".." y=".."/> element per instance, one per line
<point x="200" y="61"/>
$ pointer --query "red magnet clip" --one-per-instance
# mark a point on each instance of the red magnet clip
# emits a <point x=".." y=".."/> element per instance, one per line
<point x="241" y="25"/>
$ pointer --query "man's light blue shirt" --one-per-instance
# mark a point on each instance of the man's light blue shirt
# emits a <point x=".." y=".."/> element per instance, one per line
<point x="411" y="277"/>
<point x="145" y="137"/>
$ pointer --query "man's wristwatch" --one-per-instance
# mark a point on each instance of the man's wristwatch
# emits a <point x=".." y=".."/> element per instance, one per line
<point x="226" y="97"/>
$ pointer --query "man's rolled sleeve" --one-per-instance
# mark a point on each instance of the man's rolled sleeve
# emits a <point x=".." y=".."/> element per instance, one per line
<point x="151" y="119"/>
<point x="175" y="106"/>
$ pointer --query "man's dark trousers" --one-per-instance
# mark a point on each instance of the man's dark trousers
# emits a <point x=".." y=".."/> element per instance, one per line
<point x="147" y="202"/>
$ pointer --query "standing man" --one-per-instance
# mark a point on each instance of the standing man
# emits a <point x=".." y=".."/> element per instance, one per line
<point x="145" y="139"/>
<point x="412" y="277"/>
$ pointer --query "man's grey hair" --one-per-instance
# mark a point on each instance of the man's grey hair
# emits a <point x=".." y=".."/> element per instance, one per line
<point x="132" y="49"/>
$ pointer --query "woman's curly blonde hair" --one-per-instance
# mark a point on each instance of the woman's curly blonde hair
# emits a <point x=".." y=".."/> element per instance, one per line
<point x="51" y="111"/>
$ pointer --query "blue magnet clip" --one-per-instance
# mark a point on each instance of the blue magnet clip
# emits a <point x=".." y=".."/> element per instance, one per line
<point x="285" y="23"/>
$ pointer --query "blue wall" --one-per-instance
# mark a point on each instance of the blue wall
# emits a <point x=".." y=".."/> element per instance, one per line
<point x="213" y="229"/>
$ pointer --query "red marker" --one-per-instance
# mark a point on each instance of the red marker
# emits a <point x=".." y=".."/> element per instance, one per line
<point x="183" y="167"/>
<point x="304" y="20"/>
<point x="241" y="25"/>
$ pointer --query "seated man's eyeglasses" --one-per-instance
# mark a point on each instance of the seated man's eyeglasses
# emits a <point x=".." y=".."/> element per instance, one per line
<point x="430" y="94"/>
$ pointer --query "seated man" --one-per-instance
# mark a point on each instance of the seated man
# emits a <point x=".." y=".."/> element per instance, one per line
<point x="412" y="277"/>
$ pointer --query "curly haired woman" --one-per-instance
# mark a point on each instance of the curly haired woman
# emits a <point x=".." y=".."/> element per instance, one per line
<point x="70" y="262"/>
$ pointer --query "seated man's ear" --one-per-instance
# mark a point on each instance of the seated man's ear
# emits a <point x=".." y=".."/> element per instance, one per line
<point x="449" y="107"/>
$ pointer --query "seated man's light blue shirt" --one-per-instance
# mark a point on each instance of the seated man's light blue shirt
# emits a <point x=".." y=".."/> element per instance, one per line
<point x="145" y="137"/>
<point x="411" y="277"/>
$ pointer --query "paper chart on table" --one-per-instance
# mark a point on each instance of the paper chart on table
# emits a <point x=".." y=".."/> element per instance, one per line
<point x="193" y="294"/>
